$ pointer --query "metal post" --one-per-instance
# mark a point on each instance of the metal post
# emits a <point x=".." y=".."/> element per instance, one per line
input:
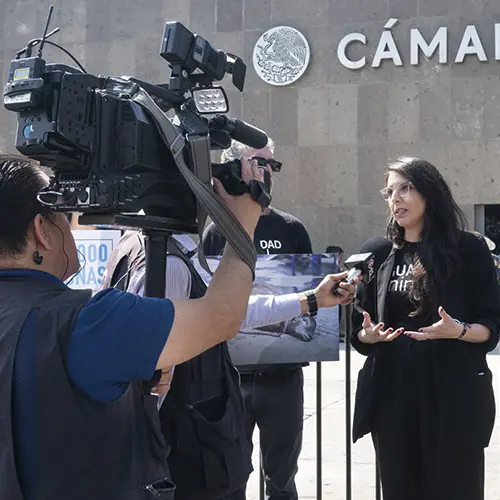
<point x="261" y="479"/>
<point x="319" y="434"/>
<point x="378" y="490"/>
<point x="347" y="343"/>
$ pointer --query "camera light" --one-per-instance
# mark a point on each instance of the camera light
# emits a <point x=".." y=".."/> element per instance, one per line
<point x="19" y="102"/>
<point x="211" y="100"/>
<point x="24" y="98"/>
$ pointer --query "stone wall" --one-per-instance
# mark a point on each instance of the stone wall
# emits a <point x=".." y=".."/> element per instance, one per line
<point x="335" y="128"/>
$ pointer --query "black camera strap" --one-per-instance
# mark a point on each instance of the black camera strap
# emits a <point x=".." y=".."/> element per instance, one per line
<point x="227" y="223"/>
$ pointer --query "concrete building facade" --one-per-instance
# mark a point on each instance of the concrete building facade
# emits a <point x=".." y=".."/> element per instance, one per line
<point x="335" y="128"/>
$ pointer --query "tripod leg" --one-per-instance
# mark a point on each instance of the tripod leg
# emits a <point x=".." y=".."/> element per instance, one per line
<point x="156" y="264"/>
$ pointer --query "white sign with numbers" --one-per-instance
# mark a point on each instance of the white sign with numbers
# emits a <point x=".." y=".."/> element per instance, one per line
<point x="94" y="250"/>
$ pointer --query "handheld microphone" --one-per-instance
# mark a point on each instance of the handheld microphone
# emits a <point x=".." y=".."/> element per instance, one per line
<point x="359" y="265"/>
<point x="373" y="254"/>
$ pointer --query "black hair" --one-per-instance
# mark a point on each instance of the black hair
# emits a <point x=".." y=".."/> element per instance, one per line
<point x="438" y="254"/>
<point x="334" y="249"/>
<point x="21" y="179"/>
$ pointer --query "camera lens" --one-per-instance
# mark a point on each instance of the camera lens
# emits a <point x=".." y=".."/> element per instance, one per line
<point x="28" y="130"/>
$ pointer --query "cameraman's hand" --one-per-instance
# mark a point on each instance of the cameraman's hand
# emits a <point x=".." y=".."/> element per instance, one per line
<point x="246" y="210"/>
<point x="372" y="334"/>
<point x="163" y="385"/>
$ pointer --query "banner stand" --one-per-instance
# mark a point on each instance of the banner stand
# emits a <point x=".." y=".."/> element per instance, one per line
<point x="319" y="434"/>
<point x="378" y="490"/>
<point x="319" y="442"/>
<point x="319" y="420"/>
<point x="348" y="426"/>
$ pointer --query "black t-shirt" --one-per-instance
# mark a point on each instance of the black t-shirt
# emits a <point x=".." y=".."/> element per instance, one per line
<point x="276" y="233"/>
<point x="399" y="306"/>
<point x="408" y="367"/>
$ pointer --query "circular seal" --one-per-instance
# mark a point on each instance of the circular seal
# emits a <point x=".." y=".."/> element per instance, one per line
<point x="281" y="55"/>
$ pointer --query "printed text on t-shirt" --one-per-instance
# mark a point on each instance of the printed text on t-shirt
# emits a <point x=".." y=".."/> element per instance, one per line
<point x="399" y="279"/>
<point x="268" y="244"/>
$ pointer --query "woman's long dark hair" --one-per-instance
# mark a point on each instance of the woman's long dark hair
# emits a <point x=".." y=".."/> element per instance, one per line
<point x="439" y="248"/>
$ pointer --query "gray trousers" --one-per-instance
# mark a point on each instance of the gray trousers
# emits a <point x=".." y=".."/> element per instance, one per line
<point x="275" y="403"/>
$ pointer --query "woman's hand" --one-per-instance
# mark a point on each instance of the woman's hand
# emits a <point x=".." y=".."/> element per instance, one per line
<point x="372" y="334"/>
<point x="445" y="328"/>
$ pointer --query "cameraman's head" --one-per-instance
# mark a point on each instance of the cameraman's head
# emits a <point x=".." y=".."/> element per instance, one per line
<point x="31" y="235"/>
<point x="238" y="151"/>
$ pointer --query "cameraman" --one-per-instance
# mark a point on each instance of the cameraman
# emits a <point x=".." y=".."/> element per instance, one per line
<point x="77" y="420"/>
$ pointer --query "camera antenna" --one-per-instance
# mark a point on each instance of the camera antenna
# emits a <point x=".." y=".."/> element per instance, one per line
<point x="33" y="43"/>
<point x="44" y="37"/>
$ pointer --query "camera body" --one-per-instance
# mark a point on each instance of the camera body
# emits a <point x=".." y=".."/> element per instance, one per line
<point x="105" y="149"/>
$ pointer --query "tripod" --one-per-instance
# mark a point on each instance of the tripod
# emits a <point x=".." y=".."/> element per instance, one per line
<point x="157" y="231"/>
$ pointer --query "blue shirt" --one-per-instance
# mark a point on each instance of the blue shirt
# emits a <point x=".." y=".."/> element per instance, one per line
<point x="117" y="338"/>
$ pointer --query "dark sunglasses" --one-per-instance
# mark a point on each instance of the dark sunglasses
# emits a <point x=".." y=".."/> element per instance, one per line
<point x="262" y="162"/>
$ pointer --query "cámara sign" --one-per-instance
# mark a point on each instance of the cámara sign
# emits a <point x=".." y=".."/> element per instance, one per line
<point x="387" y="49"/>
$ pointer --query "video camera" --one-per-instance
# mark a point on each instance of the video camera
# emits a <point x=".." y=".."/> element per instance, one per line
<point x="119" y="145"/>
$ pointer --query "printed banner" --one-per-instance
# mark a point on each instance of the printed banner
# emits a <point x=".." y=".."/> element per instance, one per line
<point x="298" y="340"/>
<point x="94" y="249"/>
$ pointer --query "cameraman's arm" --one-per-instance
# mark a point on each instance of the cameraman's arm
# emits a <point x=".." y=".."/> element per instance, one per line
<point x="200" y="324"/>
<point x="119" y="337"/>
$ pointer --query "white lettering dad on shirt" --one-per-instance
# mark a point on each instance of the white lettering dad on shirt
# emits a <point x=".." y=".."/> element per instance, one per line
<point x="268" y="244"/>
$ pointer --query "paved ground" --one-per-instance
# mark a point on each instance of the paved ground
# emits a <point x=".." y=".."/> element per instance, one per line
<point x="363" y="472"/>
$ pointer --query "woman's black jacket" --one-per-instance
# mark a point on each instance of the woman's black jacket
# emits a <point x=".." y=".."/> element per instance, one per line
<point x="465" y="404"/>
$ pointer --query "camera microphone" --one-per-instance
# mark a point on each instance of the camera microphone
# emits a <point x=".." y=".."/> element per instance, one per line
<point x="240" y="131"/>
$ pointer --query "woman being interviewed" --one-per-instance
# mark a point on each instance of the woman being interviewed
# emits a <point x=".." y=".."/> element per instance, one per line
<point x="431" y="314"/>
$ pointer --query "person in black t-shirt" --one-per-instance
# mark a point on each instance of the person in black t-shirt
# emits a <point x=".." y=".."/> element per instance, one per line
<point x="274" y="394"/>
<point x="430" y="317"/>
<point x="277" y="233"/>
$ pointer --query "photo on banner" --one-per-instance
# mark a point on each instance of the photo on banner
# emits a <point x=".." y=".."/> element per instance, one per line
<point x="300" y="340"/>
<point x="94" y="250"/>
